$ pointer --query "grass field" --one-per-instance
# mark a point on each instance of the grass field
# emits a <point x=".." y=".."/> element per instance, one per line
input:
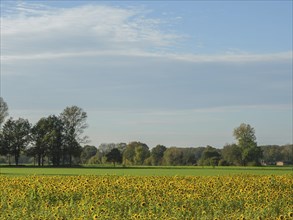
<point x="146" y="171"/>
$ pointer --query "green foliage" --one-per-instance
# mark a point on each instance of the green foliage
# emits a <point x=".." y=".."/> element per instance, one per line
<point x="232" y="154"/>
<point x="210" y="157"/>
<point x="15" y="137"/>
<point x="275" y="153"/>
<point x="176" y="156"/>
<point x="114" y="156"/>
<point x="245" y="136"/>
<point x="87" y="152"/>
<point x="3" y="111"/>
<point x="96" y="159"/>
<point x="74" y="123"/>
<point x="135" y="153"/>
<point x="39" y="136"/>
<point x="223" y="162"/>
<point x="173" y="156"/>
<point x="157" y="154"/>
<point x="54" y="138"/>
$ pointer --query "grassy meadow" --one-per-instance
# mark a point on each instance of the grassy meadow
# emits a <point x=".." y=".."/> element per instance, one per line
<point x="145" y="171"/>
<point x="146" y="193"/>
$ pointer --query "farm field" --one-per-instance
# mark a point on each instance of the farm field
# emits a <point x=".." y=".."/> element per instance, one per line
<point x="146" y="171"/>
<point x="239" y="196"/>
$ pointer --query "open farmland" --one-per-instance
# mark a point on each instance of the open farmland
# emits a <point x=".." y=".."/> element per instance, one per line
<point x="146" y="171"/>
<point x="147" y="197"/>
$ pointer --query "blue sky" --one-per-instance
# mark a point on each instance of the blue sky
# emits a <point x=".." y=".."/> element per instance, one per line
<point x="178" y="73"/>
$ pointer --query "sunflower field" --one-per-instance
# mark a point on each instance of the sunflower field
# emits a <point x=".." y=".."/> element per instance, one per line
<point x="144" y="197"/>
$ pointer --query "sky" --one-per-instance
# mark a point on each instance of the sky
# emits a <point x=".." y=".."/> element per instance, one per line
<point x="176" y="73"/>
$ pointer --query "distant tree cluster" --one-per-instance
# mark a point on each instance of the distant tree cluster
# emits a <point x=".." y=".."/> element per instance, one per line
<point x="56" y="140"/>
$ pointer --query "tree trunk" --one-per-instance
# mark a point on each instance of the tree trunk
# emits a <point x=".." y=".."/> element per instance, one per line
<point x="16" y="160"/>
<point x="39" y="160"/>
<point x="70" y="160"/>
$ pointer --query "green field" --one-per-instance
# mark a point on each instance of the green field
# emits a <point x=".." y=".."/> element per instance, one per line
<point x="146" y="171"/>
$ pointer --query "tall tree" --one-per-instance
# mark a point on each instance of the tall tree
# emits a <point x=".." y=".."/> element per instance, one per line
<point x="114" y="156"/>
<point x="15" y="137"/>
<point x="3" y="111"/>
<point x="74" y="121"/>
<point x="245" y="136"/>
<point x="47" y="137"/>
<point x="157" y="154"/>
<point x="40" y="148"/>
<point x="54" y="139"/>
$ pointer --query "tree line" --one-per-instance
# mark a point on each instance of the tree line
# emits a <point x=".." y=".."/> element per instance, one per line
<point x="57" y="141"/>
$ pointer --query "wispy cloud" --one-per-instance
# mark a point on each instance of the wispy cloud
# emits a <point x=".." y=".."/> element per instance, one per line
<point x="90" y="27"/>
<point x="37" y="32"/>
<point x="121" y="64"/>
<point x="284" y="56"/>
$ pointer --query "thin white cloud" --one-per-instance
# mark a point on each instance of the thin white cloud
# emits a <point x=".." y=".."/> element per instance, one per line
<point x="117" y="65"/>
<point x="284" y="56"/>
<point x="37" y="32"/>
<point x="81" y="28"/>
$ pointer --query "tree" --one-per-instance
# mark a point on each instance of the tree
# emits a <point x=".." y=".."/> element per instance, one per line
<point x="157" y="154"/>
<point x="3" y="111"/>
<point x="15" y="137"/>
<point x="39" y="132"/>
<point x="114" y="156"/>
<point x="142" y="152"/>
<point x="74" y="121"/>
<point x="287" y="153"/>
<point x="191" y="155"/>
<point x="54" y="139"/>
<point x="210" y="156"/>
<point x="245" y="136"/>
<point x="232" y="154"/>
<point x="173" y="156"/>
<point x="96" y="159"/>
<point x="88" y="151"/>
<point x="271" y="154"/>
<point x="4" y="149"/>
<point x="105" y="148"/>
<point x="135" y="153"/>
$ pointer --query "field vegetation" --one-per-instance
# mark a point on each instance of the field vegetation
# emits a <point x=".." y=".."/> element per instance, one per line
<point x="145" y="170"/>
<point x="147" y="197"/>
